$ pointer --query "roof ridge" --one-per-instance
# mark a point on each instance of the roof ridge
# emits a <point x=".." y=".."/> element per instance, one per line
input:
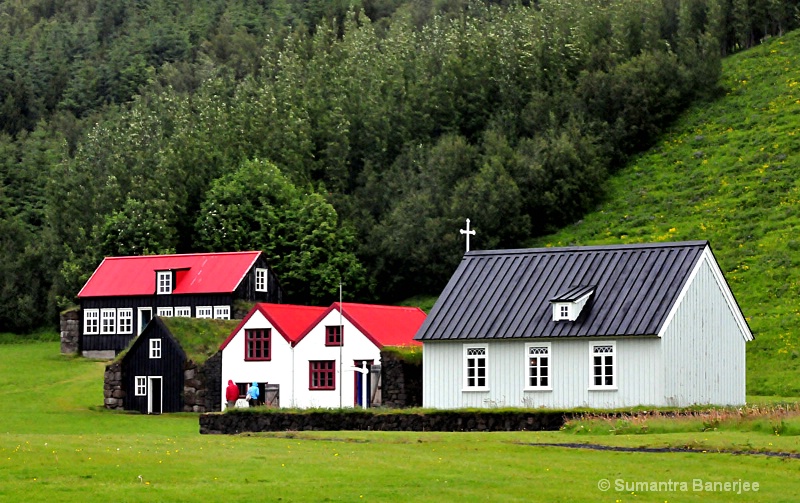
<point x="197" y="254"/>
<point x="561" y="249"/>
<point x="345" y="304"/>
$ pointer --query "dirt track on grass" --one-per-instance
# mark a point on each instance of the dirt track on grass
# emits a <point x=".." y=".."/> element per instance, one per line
<point x="598" y="447"/>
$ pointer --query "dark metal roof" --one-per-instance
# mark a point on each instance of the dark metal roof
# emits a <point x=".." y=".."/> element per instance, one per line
<point x="506" y="294"/>
<point x="573" y="294"/>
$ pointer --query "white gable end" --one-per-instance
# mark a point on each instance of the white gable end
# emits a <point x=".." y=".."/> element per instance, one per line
<point x="278" y="370"/>
<point x="313" y="348"/>
<point x="707" y="259"/>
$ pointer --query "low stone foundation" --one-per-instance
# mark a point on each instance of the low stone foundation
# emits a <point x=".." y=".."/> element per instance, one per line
<point x="99" y="354"/>
<point x="239" y="421"/>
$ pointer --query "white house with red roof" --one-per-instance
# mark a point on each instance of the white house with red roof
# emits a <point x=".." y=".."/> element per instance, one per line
<point x="261" y="350"/>
<point x="345" y="337"/>
<point x="307" y="356"/>
<point x="124" y="293"/>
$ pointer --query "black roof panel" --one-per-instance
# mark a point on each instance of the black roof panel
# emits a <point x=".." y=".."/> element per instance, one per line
<point x="502" y="294"/>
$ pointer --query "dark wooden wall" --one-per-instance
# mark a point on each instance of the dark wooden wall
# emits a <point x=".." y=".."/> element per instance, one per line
<point x="120" y="342"/>
<point x="247" y="288"/>
<point x="169" y="367"/>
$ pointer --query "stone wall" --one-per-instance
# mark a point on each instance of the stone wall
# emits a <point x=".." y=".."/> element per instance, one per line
<point x="401" y="382"/>
<point x="113" y="394"/>
<point x="70" y="332"/>
<point x="201" y="385"/>
<point x="244" y="420"/>
<point x="213" y="376"/>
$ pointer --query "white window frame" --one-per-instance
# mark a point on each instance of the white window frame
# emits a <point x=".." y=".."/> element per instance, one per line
<point x="125" y="320"/>
<point x="614" y="375"/>
<point x="110" y="316"/>
<point x="91" y="321"/>
<point x="166" y="312"/>
<point x="183" y="312"/>
<point x="140" y="318"/>
<point x="155" y="348"/>
<point x="472" y="348"/>
<point x="140" y="386"/>
<point x="546" y="346"/>
<point x="204" y="312"/>
<point x="222" y="312"/>
<point x="163" y="282"/>
<point x="261" y="280"/>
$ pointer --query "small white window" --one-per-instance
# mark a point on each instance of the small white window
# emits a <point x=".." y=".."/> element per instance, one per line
<point x="183" y="312"/>
<point x="538" y="362"/>
<point x="222" y="312"/>
<point x="164" y="281"/>
<point x="140" y="386"/>
<point x="261" y="280"/>
<point x="561" y="312"/>
<point x="91" y="321"/>
<point x="108" y="321"/>
<point x="204" y="312"/>
<point x="164" y="311"/>
<point x="155" y="348"/>
<point x="603" y="366"/>
<point x="475" y="368"/>
<point x="125" y="320"/>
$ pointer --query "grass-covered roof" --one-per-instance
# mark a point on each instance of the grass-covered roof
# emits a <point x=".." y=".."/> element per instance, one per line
<point x="199" y="338"/>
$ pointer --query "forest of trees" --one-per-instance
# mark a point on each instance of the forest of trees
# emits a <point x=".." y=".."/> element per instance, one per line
<point x="349" y="140"/>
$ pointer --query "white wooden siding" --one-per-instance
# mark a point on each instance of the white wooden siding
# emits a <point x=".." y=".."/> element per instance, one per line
<point x="312" y="348"/>
<point x="638" y="365"/>
<point x="279" y="370"/>
<point x="704" y="347"/>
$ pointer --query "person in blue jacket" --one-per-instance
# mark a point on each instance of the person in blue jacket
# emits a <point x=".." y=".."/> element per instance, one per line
<point x="252" y="393"/>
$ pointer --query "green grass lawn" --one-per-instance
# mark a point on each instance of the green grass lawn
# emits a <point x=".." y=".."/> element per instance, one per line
<point x="57" y="444"/>
<point x="727" y="172"/>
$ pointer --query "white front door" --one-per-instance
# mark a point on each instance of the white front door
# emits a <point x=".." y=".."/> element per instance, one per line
<point x="154" y="395"/>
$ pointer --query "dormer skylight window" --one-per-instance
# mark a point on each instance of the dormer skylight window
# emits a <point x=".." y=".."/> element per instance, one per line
<point x="164" y="282"/>
<point x="569" y="305"/>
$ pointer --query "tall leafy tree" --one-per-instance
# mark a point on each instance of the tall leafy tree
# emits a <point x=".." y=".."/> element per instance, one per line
<point x="257" y="207"/>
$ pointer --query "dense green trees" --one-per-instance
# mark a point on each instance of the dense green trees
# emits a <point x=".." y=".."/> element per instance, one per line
<point x="255" y="207"/>
<point x="349" y="141"/>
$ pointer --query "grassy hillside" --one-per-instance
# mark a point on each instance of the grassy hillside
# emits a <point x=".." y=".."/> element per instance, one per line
<point x="727" y="172"/>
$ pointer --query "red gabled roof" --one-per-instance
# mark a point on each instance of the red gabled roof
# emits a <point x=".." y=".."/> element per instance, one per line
<point x="195" y="273"/>
<point x="383" y="325"/>
<point x="291" y="321"/>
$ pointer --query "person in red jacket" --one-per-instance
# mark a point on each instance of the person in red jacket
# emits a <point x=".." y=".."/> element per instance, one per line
<point x="231" y="393"/>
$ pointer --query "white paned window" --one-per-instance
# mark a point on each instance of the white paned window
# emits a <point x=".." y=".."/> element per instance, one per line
<point x="164" y="282"/>
<point x="155" y="348"/>
<point x="603" y="365"/>
<point x="164" y="311"/>
<point x="183" y="312"/>
<point x="108" y="321"/>
<point x="204" y="312"/>
<point x="125" y="321"/>
<point x="91" y="321"/>
<point x="222" y="312"/>
<point x="261" y="280"/>
<point x="140" y="386"/>
<point x="538" y="364"/>
<point x="475" y="367"/>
